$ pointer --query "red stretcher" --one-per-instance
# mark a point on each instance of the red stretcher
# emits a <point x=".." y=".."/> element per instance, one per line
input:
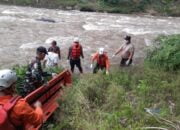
<point x="48" y="94"/>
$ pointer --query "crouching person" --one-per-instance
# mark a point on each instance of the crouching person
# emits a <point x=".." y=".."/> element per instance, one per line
<point x="102" y="61"/>
<point x="15" y="112"/>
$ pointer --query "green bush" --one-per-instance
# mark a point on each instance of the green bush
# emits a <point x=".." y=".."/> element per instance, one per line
<point x="21" y="73"/>
<point x="166" y="54"/>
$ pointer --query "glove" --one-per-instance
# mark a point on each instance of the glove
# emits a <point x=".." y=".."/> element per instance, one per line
<point x="54" y="75"/>
<point x="67" y="61"/>
<point x="37" y="104"/>
<point x="91" y="66"/>
<point x="107" y="72"/>
<point x="127" y="62"/>
<point x="113" y="56"/>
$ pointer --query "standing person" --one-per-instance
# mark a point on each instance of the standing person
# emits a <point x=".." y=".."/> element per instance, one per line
<point x="51" y="60"/>
<point x="35" y="67"/>
<point x="102" y="61"/>
<point x="19" y="112"/>
<point x="126" y="51"/>
<point x="35" y="75"/>
<point x="54" y="48"/>
<point x="75" y="52"/>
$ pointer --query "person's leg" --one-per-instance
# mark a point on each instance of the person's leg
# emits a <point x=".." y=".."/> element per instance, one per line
<point x="130" y="62"/>
<point x="96" y="68"/>
<point x="72" y="63"/>
<point x="103" y="69"/>
<point x="123" y="62"/>
<point x="78" y="64"/>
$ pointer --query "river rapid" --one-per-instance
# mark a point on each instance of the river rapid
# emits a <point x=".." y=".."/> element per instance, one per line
<point x="22" y="30"/>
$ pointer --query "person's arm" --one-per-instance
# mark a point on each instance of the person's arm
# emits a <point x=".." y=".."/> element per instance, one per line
<point x="69" y="53"/>
<point x="131" y="50"/>
<point x="49" y="49"/>
<point x="82" y="55"/>
<point x="94" y="57"/>
<point x="45" y="61"/>
<point x="131" y="53"/>
<point x="59" y="53"/>
<point x="118" y="51"/>
<point x="46" y="74"/>
<point x="27" y="114"/>
<point x="56" y="60"/>
<point x="107" y="65"/>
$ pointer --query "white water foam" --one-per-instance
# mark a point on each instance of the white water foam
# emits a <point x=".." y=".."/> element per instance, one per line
<point x="30" y="45"/>
<point x="91" y="26"/>
<point x="7" y="18"/>
<point x="8" y="11"/>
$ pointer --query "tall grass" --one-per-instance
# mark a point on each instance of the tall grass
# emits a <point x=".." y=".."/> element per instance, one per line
<point x="119" y="101"/>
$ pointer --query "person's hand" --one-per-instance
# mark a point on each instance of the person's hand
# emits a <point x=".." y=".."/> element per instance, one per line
<point x="107" y="72"/>
<point x="54" y="75"/>
<point x="113" y="56"/>
<point x="37" y="104"/>
<point x="127" y="62"/>
<point x="67" y="61"/>
<point x="91" y="66"/>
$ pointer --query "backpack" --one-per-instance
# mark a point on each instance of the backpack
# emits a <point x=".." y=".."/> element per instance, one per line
<point x="5" y="123"/>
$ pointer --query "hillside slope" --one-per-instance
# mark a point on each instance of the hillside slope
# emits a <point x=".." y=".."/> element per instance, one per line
<point x="137" y="97"/>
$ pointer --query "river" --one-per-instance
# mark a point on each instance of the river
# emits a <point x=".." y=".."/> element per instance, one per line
<point x="22" y="31"/>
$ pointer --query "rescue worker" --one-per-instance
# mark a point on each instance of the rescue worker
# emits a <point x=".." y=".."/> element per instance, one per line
<point x="54" y="48"/>
<point x="21" y="113"/>
<point x="35" y="75"/>
<point x="51" y="60"/>
<point x="74" y="54"/>
<point x="126" y="51"/>
<point x="102" y="61"/>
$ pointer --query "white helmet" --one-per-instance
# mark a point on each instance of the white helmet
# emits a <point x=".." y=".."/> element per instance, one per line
<point x="101" y="51"/>
<point x="76" y="39"/>
<point x="7" y="78"/>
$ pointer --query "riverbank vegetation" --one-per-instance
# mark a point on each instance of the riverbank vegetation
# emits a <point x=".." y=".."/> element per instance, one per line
<point x="154" y="7"/>
<point x="21" y="74"/>
<point x="139" y="97"/>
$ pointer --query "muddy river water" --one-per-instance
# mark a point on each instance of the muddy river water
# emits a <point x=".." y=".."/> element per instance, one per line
<point x="22" y="31"/>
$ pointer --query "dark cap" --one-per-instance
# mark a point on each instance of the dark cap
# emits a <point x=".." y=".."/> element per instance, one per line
<point x="128" y="38"/>
<point x="54" y="42"/>
<point x="42" y="50"/>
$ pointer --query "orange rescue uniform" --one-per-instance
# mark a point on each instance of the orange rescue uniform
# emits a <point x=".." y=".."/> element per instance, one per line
<point x="102" y="60"/>
<point x="22" y="113"/>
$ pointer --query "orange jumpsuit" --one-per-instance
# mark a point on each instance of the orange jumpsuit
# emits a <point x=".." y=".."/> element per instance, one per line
<point x="102" y="62"/>
<point x="22" y="113"/>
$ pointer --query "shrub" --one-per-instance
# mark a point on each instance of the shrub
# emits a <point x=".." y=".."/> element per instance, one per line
<point x="166" y="54"/>
<point x="21" y="73"/>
